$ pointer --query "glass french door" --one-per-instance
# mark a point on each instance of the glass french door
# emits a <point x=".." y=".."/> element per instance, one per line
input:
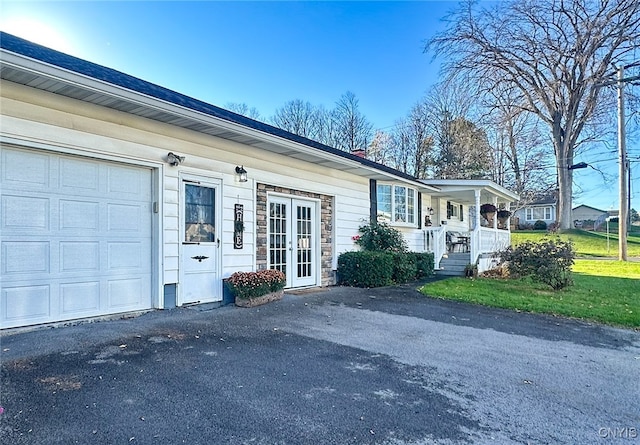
<point x="293" y="240"/>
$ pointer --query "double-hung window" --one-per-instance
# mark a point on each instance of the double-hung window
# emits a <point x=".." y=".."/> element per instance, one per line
<point x="397" y="204"/>
<point x="538" y="213"/>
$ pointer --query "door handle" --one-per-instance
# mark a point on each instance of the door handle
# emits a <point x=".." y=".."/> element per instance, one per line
<point x="218" y="242"/>
<point x="199" y="258"/>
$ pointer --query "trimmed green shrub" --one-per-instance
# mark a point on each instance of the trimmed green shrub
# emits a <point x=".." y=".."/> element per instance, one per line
<point x="540" y="225"/>
<point x="548" y="261"/>
<point x="424" y="264"/>
<point x="383" y="261"/>
<point x="365" y="269"/>
<point x="404" y="268"/>
<point x="380" y="237"/>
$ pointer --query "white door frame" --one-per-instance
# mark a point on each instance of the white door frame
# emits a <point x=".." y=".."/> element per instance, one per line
<point x="216" y="184"/>
<point x="291" y="258"/>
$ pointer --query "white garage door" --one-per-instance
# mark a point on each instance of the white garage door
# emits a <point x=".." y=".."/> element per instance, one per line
<point x="75" y="237"/>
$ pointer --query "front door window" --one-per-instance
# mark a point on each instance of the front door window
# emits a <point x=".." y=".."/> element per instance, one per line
<point x="199" y="214"/>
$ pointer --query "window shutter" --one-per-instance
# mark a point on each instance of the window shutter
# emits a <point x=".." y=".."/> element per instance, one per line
<point x="461" y="217"/>
<point x="373" y="201"/>
<point x="419" y="205"/>
<point x="449" y="209"/>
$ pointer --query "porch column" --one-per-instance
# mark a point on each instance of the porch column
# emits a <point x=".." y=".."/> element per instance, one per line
<point x="477" y="196"/>
<point x="495" y="219"/>
<point x="475" y="236"/>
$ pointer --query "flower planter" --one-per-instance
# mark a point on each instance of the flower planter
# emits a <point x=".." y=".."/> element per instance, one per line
<point x="489" y="217"/>
<point x="257" y="301"/>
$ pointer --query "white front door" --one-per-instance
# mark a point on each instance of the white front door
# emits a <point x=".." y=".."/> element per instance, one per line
<point x="200" y="231"/>
<point x="294" y="240"/>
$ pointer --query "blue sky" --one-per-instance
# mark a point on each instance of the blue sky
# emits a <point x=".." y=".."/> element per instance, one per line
<point x="266" y="53"/>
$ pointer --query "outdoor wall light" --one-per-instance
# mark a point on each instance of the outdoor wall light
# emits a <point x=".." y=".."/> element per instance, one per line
<point x="174" y="159"/>
<point x="430" y="211"/>
<point x="242" y="173"/>
<point x="578" y="165"/>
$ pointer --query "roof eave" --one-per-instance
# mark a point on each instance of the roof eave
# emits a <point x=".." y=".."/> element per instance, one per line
<point x="311" y="150"/>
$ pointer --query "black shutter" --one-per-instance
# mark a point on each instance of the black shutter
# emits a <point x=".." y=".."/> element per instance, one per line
<point x="461" y="209"/>
<point x="419" y="209"/>
<point x="373" y="201"/>
<point x="449" y="206"/>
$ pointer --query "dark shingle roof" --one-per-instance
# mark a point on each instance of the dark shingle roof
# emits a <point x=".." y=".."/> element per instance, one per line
<point x="32" y="50"/>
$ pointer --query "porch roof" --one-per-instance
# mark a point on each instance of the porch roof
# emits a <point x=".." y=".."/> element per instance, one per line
<point x="463" y="190"/>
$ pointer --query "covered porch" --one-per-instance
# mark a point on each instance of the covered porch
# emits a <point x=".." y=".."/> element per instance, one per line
<point x="458" y="234"/>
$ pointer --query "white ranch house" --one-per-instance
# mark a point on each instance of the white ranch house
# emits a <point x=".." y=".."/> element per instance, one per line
<point x="118" y="195"/>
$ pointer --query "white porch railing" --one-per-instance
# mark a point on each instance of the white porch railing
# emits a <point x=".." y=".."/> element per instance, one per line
<point x="435" y="241"/>
<point x="488" y="240"/>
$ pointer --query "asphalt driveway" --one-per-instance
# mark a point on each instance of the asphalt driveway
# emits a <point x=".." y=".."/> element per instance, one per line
<point x="343" y="366"/>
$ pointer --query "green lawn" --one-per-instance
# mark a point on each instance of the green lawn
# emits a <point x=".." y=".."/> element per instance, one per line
<point x="605" y="291"/>
<point x="586" y="243"/>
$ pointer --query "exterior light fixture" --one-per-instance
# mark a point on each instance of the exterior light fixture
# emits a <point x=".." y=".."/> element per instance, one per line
<point x="578" y="165"/>
<point x="173" y="159"/>
<point x="242" y="173"/>
<point x="430" y="211"/>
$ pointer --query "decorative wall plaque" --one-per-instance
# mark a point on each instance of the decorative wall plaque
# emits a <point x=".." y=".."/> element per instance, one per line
<point x="238" y="226"/>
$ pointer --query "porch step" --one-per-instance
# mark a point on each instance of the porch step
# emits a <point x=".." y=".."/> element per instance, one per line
<point x="454" y="264"/>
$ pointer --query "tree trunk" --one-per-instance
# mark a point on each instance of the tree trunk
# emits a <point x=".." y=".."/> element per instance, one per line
<point x="565" y="190"/>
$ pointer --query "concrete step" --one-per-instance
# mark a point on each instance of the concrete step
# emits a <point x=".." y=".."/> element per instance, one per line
<point x="450" y="272"/>
<point x="454" y="264"/>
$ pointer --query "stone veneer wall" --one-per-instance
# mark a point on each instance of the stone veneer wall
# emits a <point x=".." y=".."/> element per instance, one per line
<point x="326" y="229"/>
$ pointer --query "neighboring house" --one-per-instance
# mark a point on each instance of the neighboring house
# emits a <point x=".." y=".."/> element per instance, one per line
<point x="539" y="210"/>
<point x="587" y="217"/>
<point x="118" y="195"/>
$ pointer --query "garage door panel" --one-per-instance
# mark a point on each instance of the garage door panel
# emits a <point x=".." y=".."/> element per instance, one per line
<point x="127" y="183"/>
<point x="26" y="304"/>
<point x="25" y="212"/>
<point x="79" y="256"/>
<point x="125" y="294"/>
<point x="79" y="176"/>
<point x="15" y="175"/>
<point x="78" y="299"/>
<point x="126" y="218"/>
<point x="129" y="256"/>
<point x="75" y="239"/>
<point x="25" y="257"/>
<point x="84" y="215"/>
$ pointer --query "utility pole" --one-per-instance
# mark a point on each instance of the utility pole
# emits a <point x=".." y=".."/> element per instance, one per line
<point x="622" y="216"/>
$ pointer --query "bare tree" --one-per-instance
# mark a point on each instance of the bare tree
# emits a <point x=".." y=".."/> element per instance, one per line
<point x="555" y="52"/>
<point x="401" y="146"/>
<point x="443" y="103"/>
<point x="381" y="147"/>
<point x="298" y="117"/>
<point x="520" y="150"/>
<point x="243" y="109"/>
<point x="352" y="129"/>
<point x="413" y="142"/>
